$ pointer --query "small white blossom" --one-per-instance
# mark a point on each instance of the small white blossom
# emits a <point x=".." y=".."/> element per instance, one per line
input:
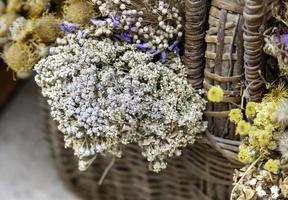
<point x="260" y="192"/>
<point x="275" y="192"/>
<point x="252" y="182"/>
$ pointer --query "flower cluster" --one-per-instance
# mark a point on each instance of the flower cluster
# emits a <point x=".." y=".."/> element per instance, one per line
<point x="260" y="129"/>
<point x="259" y="183"/>
<point x="27" y="28"/>
<point x="156" y="26"/>
<point x="263" y="148"/>
<point x="107" y="94"/>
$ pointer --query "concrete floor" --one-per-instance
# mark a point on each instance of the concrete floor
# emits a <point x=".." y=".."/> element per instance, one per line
<point x="26" y="170"/>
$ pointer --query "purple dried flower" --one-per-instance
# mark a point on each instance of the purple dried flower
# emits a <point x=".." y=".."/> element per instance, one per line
<point x="174" y="45"/>
<point x="82" y="33"/>
<point x="116" y="37"/>
<point x="68" y="27"/>
<point x="176" y="50"/>
<point x="115" y="20"/>
<point x="284" y="39"/>
<point x="142" y="46"/>
<point x="127" y="37"/>
<point x="96" y="21"/>
<point x="163" y="56"/>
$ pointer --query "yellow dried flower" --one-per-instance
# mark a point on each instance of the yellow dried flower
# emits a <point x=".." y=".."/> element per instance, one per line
<point x="23" y="32"/>
<point x="235" y="115"/>
<point x="14" y="6"/>
<point x="247" y="154"/>
<point x="19" y="56"/>
<point x="47" y="28"/>
<point x="278" y="93"/>
<point x="243" y="127"/>
<point x="272" y="145"/>
<point x="264" y="138"/>
<point x="6" y="20"/>
<point x="35" y="8"/>
<point x="272" y="166"/>
<point x="79" y="11"/>
<point x="251" y="109"/>
<point x="253" y="137"/>
<point x="215" y="94"/>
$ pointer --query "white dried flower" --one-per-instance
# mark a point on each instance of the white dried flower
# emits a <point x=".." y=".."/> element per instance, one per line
<point x="106" y="94"/>
<point x="252" y="182"/>
<point x="260" y="192"/>
<point x="275" y="192"/>
<point x="149" y="20"/>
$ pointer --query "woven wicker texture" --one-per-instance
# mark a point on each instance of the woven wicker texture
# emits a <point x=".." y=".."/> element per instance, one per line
<point x="224" y="64"/>
<point x="195" y="28"/>
<point x="254" y="15"/>
<point x="215" y="158"/>
<point x="128" y="179"/>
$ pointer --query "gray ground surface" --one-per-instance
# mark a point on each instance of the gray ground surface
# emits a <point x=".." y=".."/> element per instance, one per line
<point x="26" y="170"/>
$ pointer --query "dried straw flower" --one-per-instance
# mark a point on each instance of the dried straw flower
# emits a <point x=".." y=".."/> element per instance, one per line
<point x="257" y="183"/>
<point x="113" y="95"/>
<point x="35" y="8"/>
<point x="21" y="30"/>
<point x="14" y="6"/>
<point x="47" y="28"/>
<point x="79" y="11"/>
<point x="5" y="21"/>
<point x="19" y="56"/>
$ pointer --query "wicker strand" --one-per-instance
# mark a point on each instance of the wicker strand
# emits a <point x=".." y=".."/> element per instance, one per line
<point x="254" y="11"/>
<point x="224" y="63"/>
<point x="195" y="27"/>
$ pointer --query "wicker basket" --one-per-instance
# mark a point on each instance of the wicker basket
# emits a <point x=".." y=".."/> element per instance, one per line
<point x="215" y="158"/>
<point x="129" y="177"/>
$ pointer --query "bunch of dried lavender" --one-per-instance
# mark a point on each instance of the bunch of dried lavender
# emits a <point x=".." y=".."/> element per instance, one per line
<point x="156" y="26"/>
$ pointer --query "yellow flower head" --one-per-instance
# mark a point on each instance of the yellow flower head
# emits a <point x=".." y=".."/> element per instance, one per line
<point x="243" y="127"/>
<point x="235" y="115"/>
<point x="277" y="93"/>
<point x="264" y="138"/>
<point x="272" y="166"/>
<point x="251" y="109"/>
<point x="246" y="154"/>
<point x="215" y="94"/>
<point x="272" y="145"/>
<point x="253" y="137"/>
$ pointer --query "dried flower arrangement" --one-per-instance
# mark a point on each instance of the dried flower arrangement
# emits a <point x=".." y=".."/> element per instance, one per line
<point x="156" y="26"/>
<point x="105" y="84"/>
<point x="263" y="125"/>
<point x="24" y="44"/>
<point x="32" y="26"/>
<point x="114" y="95"/>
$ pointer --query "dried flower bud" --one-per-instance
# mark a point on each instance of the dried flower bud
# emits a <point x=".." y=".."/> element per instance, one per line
<point x="47" y="28"/>
<point x="19" y="56"/>
<point x="79" y="11"/>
